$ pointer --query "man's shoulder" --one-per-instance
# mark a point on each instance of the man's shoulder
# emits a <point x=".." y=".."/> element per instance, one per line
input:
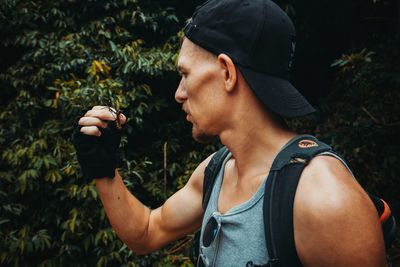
<point x="197" y="178"/>
<point x="328" y="193"/>
<point x="326" y="183"/>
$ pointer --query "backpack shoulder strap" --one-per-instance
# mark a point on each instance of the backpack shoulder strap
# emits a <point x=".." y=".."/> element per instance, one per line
<point x="302" y="148"/>
<point x="279" y="196"/>
<point x="211" y="172"/>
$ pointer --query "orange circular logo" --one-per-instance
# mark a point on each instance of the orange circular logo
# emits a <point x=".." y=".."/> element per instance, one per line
<point x="307" y="144"/>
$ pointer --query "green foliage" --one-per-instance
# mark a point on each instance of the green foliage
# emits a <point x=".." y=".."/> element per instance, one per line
<point x="364" y="109"/>
<point x="69" y="56"/>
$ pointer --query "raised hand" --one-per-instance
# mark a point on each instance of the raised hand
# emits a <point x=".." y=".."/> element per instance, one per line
<point x="96" y="138"/>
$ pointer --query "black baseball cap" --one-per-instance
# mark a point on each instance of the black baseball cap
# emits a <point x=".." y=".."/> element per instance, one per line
<point x="260" y="39"/>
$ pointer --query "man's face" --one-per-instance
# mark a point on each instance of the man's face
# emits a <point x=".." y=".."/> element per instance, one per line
<point x="198" y="90"/>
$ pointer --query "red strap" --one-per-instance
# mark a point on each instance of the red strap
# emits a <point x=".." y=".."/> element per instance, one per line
<point x="386" y="212"/>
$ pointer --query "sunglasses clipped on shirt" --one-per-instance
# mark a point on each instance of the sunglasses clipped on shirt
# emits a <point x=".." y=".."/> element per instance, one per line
<point x="211" y="231"/>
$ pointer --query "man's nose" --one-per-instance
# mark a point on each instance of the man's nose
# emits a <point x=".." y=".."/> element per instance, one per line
<point x="180" y="94"/>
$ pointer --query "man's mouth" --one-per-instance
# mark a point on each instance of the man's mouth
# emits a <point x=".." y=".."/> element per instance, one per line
<point x="188" y="117"/>
<point x="187" y="113"/>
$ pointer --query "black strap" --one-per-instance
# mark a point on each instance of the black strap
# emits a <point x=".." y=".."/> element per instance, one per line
<point x="278" y="202"/>
<point x="388" y="221"/>
<point x="210" y="173"/>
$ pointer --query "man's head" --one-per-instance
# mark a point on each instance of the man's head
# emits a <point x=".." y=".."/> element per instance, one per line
<point x="258" y="37"/>
<point x="206" y="90"/>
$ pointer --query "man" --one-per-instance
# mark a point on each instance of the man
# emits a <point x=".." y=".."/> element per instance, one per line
<point x="234" y="63"/>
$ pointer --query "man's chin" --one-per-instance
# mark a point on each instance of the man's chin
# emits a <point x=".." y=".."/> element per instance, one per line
<point x="203" y="138"/>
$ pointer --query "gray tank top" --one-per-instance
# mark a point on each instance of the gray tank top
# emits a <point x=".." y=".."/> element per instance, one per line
<point x="241" y="240"/>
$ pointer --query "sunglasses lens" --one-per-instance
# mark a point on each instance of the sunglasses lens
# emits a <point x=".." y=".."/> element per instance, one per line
<point x="210" y="232"/>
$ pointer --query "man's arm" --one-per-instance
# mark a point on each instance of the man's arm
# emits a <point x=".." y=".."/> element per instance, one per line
<point x="335" y="222"/>
<point x="144" y="230"/>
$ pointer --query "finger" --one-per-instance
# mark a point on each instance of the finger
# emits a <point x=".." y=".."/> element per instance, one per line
<point x="111" y="109"/>
<point x="91" y="130"/>
<point x="122" y="118"/>
<point x="102" y="114"/>
<point x="99" y="107"/>
<point x="92" y="121"/>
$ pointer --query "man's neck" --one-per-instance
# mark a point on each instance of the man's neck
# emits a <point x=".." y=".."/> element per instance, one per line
<point x="254" y="144"/>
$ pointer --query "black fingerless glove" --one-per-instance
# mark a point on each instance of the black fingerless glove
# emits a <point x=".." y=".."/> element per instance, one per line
<point x="98" y="156"/>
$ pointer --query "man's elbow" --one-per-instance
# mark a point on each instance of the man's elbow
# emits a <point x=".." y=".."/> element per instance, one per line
<point x="140" y="245"/>
<point x="136" y="241"/>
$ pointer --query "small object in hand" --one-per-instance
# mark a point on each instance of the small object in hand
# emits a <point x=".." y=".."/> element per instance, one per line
<point x="116" y="114"/>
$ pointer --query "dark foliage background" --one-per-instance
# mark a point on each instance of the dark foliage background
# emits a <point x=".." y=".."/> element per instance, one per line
<point x="59" y="57"/>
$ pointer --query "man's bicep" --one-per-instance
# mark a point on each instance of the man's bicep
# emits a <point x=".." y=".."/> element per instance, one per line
<point x="181" y="214"/>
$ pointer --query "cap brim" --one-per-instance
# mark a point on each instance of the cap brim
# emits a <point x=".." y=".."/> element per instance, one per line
<point x="279" y="95"/>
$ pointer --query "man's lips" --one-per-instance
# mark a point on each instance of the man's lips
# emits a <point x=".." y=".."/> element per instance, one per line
<point x="187" y="113"/>
<point x="188" y="117"/>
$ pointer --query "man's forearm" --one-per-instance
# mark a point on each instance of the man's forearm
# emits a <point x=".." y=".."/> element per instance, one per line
<point x="127" y="215"/>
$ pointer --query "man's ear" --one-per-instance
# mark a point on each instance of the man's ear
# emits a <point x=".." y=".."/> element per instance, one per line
<point x="228" y="71"/>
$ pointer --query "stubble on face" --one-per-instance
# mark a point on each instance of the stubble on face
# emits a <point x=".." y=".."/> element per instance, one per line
<point x="202" y="136"/>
